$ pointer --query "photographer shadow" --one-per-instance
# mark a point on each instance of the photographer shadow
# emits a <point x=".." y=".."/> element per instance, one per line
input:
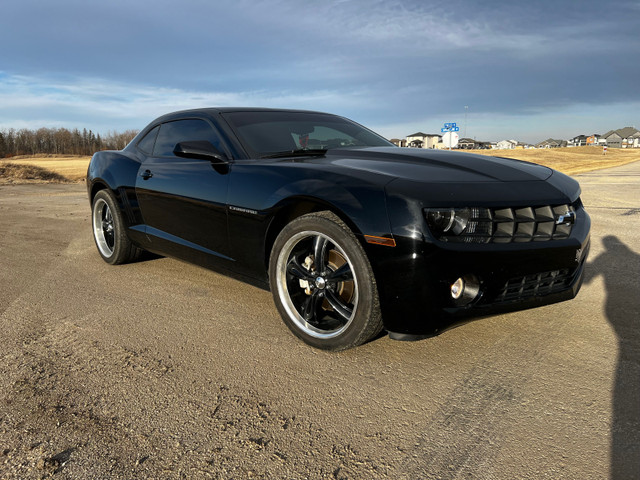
<point x="620" y="269"/>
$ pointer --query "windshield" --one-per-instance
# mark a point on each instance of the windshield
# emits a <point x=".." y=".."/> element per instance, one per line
<point x="264" y="133"/>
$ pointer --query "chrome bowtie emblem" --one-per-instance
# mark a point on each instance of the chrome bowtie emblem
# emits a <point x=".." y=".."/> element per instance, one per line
<point x="568" y="218"/>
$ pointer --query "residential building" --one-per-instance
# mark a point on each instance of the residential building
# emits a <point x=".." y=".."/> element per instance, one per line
<point x="612" y="139"/>
<point x="627" y="137"/>
<point x="472" y="144"/>
<point x="467" y="144"/>
<point x="506" y="144"/>
<point x="551" y="143"/>
<point x="593" y="139"/>
<point x="423" y="140"/>
<point x="578" y="141"/>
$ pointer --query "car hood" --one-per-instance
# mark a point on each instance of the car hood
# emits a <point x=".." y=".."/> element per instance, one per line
<point x="436" y="166"/>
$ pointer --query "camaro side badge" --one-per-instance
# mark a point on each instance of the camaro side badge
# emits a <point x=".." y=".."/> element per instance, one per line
<point x="243" y="210"/>
<point x="568" y="218"/>
<point x="578" y="255"/>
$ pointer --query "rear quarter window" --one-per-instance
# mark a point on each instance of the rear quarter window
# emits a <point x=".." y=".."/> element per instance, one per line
<point x="147" y="142"/>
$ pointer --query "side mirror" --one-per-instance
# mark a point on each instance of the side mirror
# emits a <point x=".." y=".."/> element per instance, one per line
<point x="202" y="150"/>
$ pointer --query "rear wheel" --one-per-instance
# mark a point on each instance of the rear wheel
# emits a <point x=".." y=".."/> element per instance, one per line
<point x="322" y="283"/>
<point x="109" y="232"/>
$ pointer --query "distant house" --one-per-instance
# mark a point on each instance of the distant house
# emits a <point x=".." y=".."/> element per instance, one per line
<point x="593" y="139"/>
<point x="423" y="140"/>
<point x="467" y="144"/>
<point x="551" y="143"/>
<point x="398" y="142"/>
<point x="472" y="144"/>
<point x="627" y="137"/>
<point x="416" y="140"/>
<point x="506" y="144"/>
<point x="612" y="139"/>
<point x="578" y="141"/>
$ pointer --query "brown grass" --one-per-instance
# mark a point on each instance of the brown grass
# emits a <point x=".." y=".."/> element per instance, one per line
<point x="15" y="173"/>
<point x="572" y="160"/>
<point x="69" y="168"/>
<point x="73" y="168"/>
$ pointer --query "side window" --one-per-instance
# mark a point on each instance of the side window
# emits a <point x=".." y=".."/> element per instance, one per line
<point x="172" y="133"/>
<point x="146" y="144"/>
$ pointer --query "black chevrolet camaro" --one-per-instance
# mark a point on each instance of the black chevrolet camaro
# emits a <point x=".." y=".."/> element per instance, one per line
<point x="352" y="234"/>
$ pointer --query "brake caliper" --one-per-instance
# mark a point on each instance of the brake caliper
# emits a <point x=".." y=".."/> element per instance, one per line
<point x="308" y="263"/>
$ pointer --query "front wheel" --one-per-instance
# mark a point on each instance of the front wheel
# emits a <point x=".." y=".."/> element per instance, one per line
<point x="322" y="283"/>
<point x="109" y="231"/>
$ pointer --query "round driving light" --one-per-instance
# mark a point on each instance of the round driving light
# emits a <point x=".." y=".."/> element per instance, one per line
<point x="465" y="290"/>
<point x="457" y="288"/>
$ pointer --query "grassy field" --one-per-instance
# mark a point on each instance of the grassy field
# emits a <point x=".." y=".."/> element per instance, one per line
<point x="570" y="160"/>
<point x="52" y="169"/>
<point x="37" y="169"/>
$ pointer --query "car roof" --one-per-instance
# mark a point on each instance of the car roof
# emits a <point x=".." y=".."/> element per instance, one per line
<point x="214" y="110"/>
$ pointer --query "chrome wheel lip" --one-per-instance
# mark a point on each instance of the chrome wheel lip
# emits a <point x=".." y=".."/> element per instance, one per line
<point x="285" y="296"/>
<point x="103" y="226"/>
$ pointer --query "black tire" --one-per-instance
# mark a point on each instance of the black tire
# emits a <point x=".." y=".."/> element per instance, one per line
<point x="109" y="231"/>
<point x="331" y="303"/>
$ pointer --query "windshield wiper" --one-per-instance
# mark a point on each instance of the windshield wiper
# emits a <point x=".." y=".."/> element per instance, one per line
<point x="307" y="152"/>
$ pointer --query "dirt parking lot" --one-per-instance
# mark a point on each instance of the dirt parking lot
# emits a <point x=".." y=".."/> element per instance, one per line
<point x="161" y="369"/>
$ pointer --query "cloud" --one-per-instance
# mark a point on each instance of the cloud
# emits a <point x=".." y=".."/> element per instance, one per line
<point x="100" y="104"/>
<point x="381" y="62"/>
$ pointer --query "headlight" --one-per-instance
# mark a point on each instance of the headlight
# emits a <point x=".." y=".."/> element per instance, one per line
<point x="459" y="224"/>
<point x="448" y="220"/>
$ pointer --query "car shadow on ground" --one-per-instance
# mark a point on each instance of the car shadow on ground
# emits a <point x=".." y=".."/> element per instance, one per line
<point x="620" y="269"/>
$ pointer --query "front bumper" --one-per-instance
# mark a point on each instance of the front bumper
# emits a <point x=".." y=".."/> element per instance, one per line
<point x="414" y="279"/>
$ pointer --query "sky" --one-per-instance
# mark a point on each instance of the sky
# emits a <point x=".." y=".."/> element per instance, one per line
<point x="523" y="70"/>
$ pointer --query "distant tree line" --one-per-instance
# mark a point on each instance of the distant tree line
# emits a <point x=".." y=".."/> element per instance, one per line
<point x="60" y="141"/>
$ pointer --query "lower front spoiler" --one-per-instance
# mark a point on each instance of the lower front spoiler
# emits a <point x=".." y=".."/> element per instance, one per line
<point x="450" y="318"/>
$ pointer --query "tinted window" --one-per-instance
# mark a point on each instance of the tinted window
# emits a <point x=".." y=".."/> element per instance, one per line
<point x="267" y="132"/>
<point x="172" y="133"/>
<point x="146" y="144"/>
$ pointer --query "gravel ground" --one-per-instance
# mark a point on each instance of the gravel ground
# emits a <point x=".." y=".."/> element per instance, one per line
<point x="161" y="369"/>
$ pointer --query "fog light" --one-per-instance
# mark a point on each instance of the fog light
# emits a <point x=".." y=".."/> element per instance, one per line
<point x="465" y="290"/>
<point x="457" y="288"/>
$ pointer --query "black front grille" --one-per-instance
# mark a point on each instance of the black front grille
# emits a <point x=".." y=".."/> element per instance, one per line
<point x="515" y="225"/>
<point x="536" y="285"/>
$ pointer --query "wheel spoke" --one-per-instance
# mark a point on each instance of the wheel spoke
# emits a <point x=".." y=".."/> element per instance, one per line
<point x="294" y="268"/>
<point x="342" y="274"/>
<point x="338" y="305"/>
<point x="310" y="306"/>
<point x="319" y="253"/>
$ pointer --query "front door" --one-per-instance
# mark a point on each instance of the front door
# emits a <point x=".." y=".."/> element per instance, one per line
<point x="183" y="201"/>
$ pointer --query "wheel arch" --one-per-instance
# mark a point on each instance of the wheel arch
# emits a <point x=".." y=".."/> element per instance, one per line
<point x="296" y="207"/>
<point x="95" y="188"/>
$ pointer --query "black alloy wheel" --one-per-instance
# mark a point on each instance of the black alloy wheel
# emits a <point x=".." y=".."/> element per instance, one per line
<point x="322" y="283"/>
<point x="109" y="231"/>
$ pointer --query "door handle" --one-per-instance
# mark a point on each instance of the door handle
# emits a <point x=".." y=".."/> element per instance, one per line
<point x="146" y="175"/>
